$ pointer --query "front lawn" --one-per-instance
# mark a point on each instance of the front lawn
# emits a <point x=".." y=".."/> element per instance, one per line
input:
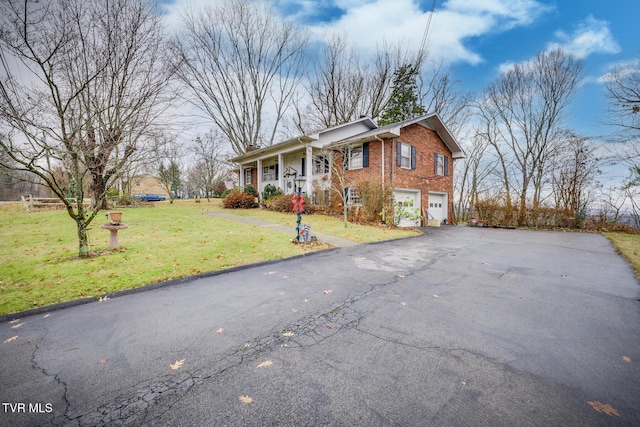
<point x="38" y="251"/>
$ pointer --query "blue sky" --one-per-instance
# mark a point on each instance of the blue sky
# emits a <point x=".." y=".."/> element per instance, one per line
<point x="478" y="38"/>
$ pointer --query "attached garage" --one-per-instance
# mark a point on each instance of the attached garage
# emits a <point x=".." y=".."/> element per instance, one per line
<point x="407" y="207"/>
<point x="437" y="206"/>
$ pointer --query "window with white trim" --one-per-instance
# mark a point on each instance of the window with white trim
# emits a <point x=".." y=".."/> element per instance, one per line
<point x="353" y="197"/>
<point x="248" y="176"/>
<point x="270" y="173"/>
<point x="355" y="157"/>
<point x="405" y="155"/>
<point x="441" y="165"/>
<point x="321" y="164"/>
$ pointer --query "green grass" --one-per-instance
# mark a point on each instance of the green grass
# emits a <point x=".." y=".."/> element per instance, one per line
<point x="628" y="245"/>
<point x="333" y="226"/>
<point x="39" y="263"/>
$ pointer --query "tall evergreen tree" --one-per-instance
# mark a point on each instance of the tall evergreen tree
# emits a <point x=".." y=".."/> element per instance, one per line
<point x="170" y="176"/>
<point x="403" y="103"/>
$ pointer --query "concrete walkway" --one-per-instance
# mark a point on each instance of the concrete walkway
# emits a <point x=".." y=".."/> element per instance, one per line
<point x="325" y="238"/>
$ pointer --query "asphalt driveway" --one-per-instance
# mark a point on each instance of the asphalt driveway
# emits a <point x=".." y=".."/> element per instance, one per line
<point x="461" y="326"/>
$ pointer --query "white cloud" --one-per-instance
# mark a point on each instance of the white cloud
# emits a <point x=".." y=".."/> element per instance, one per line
<point x="507" y="14"/>
<point x="590" y="36"/>
<point x="368" y="23"/>
<point x="620" y="69"/>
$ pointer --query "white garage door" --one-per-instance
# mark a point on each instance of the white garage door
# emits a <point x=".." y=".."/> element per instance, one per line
<point x="437" y="208"/>
<point x="407" y="211"/>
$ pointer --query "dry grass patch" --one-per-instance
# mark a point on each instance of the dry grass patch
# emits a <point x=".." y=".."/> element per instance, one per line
<point x="627" y="245"/>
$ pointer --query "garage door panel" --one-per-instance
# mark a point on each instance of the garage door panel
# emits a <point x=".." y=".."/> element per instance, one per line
<point x="407" y="208"/>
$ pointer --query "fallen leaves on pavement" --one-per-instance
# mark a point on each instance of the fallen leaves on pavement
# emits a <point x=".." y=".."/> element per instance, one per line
<point x="265" y="364"/>
<point x="177" y="365"/>
<point x="245" y="399"/>
<point x="604" y="409"/>
<point x="13" y="338"/>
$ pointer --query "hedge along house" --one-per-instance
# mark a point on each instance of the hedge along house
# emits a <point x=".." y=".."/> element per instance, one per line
<point x="414" y="157"/>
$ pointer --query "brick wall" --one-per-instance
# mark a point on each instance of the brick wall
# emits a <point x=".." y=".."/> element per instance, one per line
<point x="423" y="178"/>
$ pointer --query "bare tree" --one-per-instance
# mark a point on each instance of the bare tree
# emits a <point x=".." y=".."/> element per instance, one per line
<point x="345" y="84"/>
<point x="525" y="108"/>
<point x="440" y="94"/>
<point x="573" y="173"/>
<point x="242" y="66"/>
<point x="623" y="91"/>
<point x="211" y="166"/>
<point x="340" y="179"/>
<point x="81" y="88"/>
<point x="472" y="174"/>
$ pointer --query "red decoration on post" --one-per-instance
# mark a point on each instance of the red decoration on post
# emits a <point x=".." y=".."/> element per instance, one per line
<point x="298" y="203"/>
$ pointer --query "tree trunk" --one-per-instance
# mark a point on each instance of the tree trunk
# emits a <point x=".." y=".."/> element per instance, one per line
<point x="98" y="190"/>
<point x="344" y="213"/>
<point x="83" y="241"/>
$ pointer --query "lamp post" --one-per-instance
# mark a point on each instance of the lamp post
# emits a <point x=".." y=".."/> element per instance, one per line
<point x="298" y="206"/>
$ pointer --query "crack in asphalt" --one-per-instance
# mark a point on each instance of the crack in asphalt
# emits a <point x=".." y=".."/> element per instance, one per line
<point x="36" y="367"/>
<point x="132" y="406"/>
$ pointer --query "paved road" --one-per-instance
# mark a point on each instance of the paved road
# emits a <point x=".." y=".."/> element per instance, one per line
<point x="459" y="327"/>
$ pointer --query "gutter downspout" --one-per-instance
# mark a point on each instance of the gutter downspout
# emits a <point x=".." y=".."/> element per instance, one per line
<point x="384" y="209"/>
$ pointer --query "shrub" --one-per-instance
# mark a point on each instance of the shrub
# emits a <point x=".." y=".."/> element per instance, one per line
<point x="374" y="199"/>
<point x="283" y="203"/>
<point x="219" y="189"/>
<point x="251" y="191"/>
<point x="239" y="200"/>
<point x="128" y="200"/>
<point x="270" y="191"/>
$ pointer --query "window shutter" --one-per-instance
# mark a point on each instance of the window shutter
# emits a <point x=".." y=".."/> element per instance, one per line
<point x="398" y="153"/>
<point x="277" y="171"/>
<point x="413" y="157"/>
<point x="435" y="163"/>
<point x="303" y="167"/>
<point x="446" y="166"/>
<point x="365" y="155"/>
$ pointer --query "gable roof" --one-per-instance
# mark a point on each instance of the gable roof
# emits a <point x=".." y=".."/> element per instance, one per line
<point x="301" y="139"/>
<point x="431" y="121"/>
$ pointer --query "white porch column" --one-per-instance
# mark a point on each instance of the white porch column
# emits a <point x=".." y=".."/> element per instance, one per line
<point x="280" y="171"/>
<point x="309" y="168"/>
<point x="241" y="180"/>
<point x="259" y="178"/>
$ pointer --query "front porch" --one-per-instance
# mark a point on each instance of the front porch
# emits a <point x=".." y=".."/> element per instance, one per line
<point x="282" y="170"/>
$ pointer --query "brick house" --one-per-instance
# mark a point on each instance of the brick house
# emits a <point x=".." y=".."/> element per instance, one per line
<point x="147" y="184"/>
<point x="414" y="157"/>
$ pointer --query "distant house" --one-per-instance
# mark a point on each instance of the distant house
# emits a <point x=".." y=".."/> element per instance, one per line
<point x="147" y="184"/>
<point x="415" y="157"/>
